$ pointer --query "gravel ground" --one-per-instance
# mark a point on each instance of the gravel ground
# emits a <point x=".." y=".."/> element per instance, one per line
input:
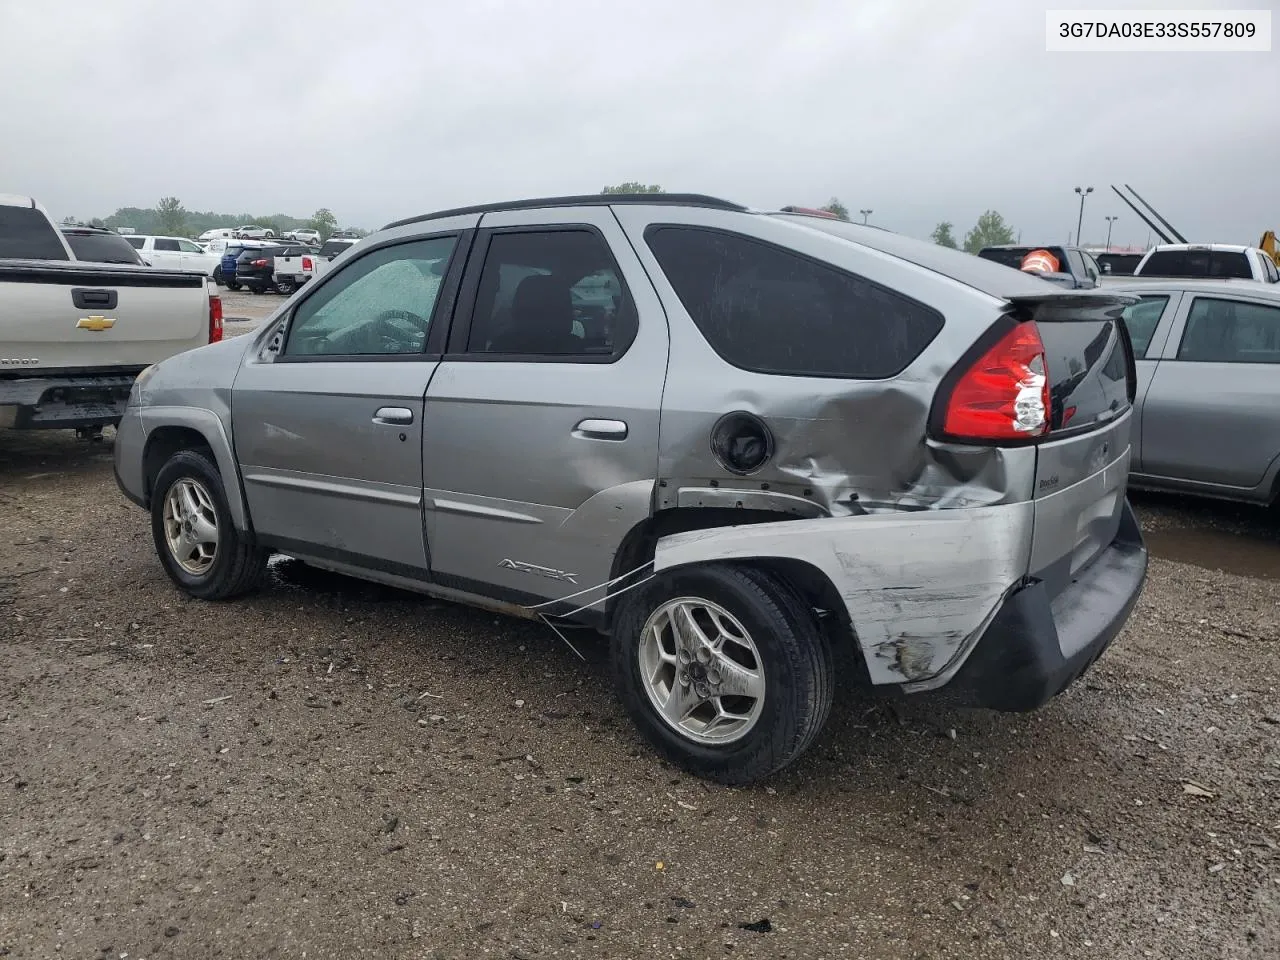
<point x="333" y="769"/>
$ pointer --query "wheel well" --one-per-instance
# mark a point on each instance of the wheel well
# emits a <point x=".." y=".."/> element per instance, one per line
<point x="163" y="443"/>
<point x="640" y="544"/>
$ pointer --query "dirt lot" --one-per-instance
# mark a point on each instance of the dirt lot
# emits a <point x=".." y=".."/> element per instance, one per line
<point x="331" y="769"/>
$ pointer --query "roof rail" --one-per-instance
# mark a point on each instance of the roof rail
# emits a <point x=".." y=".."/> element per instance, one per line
<point x="585" y="200"/>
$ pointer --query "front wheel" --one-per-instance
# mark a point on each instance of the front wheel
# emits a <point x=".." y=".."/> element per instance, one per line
<point x="217" y="276"/>
<point x="198" y="545"/>
<point x="724" y="669"/>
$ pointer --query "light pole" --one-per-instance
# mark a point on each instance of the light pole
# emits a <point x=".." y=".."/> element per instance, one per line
<point x="865" y="214"/>
<point x="1110" y="222"/>
<point x="1084" y="192"/>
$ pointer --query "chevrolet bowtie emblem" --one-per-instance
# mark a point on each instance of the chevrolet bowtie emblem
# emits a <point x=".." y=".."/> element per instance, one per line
<point x="96" y="324"/>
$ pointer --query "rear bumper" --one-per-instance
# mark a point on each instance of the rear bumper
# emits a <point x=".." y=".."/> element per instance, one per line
<point x="59" y="403"/>
<point x="1037" y="646"/>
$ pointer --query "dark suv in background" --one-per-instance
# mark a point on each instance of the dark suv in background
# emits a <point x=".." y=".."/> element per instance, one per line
<point x="256" y="266"/>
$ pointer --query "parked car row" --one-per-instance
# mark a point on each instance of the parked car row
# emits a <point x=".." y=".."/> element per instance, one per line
<point x="254" y="232"/>
<point x="259" y="266"/>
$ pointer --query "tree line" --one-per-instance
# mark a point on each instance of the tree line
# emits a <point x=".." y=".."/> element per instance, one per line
<point x="170" y="218"/>
<point x="990" y="230"/>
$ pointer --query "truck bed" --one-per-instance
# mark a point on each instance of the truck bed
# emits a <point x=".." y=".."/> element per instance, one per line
<point x="61" y="316"/>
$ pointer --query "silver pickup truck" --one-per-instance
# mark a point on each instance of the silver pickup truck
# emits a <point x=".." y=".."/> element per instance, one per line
<point x="74" y="335"/>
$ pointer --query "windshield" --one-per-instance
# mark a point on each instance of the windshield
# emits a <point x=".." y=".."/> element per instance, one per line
<point x="102" y="248"/>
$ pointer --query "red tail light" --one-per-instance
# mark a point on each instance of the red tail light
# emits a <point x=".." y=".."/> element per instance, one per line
<point x="215" y="319"/>
<point x="1004" y="395"/>
<point x="307" y="263"/>
<point x="259" y="263"/>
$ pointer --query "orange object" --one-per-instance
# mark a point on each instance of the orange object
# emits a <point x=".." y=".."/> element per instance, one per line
<point x="1040" y="261"/>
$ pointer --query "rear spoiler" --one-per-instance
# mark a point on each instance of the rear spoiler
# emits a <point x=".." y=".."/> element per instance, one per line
<point x="1094" y="300"/>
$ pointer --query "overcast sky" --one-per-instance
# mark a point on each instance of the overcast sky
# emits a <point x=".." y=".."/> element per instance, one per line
<point x="920" y="111"/>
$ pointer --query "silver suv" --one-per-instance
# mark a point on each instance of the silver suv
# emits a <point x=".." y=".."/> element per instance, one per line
<point x="731" y="440"/>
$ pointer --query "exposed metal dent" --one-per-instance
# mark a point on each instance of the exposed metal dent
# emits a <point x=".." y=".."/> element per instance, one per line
<point x="740" y="499"/>
<point x="913" y="607"/>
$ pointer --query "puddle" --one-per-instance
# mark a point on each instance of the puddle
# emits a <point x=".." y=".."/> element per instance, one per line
<point x="1216" y="550"/>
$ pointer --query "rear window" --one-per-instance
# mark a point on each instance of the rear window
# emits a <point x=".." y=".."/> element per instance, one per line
<point x="332" y="248"/>
<point x="1122" y="264"/>
<point x="102" y="248"/>
<point x="1012" y="256"/>
<point x="770" y="310"/>
<point x="26" y="233"/>
<point x="1198" y="263"/>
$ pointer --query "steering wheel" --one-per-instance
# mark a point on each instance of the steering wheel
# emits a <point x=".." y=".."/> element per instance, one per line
<point x="398" y="329"/>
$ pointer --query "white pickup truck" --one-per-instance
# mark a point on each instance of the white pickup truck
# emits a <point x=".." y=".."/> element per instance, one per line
<point x="295" y="264"/>
<point x="74" y="335"/>
<point x="1202" y="261"/>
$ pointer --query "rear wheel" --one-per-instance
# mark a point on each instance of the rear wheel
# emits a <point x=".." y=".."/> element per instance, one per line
<point x="724" y="669"/>
<point x="198" y="545"/>
<point x="232" y="285"/>
<point x="284" y="286"/>
<point x="255" y="288"/>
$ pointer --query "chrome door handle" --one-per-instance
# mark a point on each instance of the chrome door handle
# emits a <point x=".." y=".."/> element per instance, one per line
<point x="394" y="416"/>
<point x="600" y="430"/>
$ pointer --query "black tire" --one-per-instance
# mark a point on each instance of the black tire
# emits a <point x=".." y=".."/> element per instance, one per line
<point x="238" y="565"/>
<point x="232" y="285"/>
<point x="217" y="276"/>
<point x="285" y="287"/>
<point x="255" y="288"/>
<point x="794" y="654"/>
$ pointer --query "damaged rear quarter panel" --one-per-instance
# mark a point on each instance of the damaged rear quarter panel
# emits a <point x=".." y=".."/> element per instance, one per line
<point x="917" y="587"/>
<point x="922" y="539"/>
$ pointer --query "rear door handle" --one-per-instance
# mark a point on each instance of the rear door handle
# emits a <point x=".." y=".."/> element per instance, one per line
<point x="394" y="416"/>
<point x="600" y="430"/>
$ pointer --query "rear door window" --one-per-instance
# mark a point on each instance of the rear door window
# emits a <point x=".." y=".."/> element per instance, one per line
<point x="1141" y="319"/>
<point x="1231" y="331"/>
<point x="25" y="233"/>
<point x="164" y="243"/>
<point x="554" y="293"/>
<point x="770" y="310"/>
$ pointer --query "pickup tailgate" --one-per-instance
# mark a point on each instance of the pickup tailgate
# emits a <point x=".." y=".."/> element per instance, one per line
<point x="1082" y="466"/>
<point x="60" y="316"/>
